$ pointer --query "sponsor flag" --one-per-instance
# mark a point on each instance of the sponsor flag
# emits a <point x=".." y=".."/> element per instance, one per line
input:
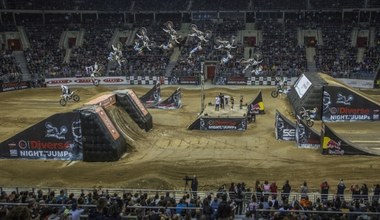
<point x="258" y="102"/>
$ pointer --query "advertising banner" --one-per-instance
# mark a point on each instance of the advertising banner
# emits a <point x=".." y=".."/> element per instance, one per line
<point x="58" y="137"/>
<point x="333" y="145"/>
<point x="188" y="80"/>
<point x="236" y="80"/>
<point x="239" y="124"/>
<point x="284" y="129"/>
<point x="341" y="104"/>
<point x="10" y="86"/>
<point x="86" y="81"/>
<point x="306" y="137"/>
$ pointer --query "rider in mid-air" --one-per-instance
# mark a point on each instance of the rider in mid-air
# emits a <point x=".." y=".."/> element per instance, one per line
<point x="305" y="113"/>
<point x="65" y="91"/>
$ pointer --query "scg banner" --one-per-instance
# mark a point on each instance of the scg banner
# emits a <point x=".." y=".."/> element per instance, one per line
<point x="341" y="104"/>
<point x="58" y="137"/>
<point x="239" y="124"/>
<point x="284" y="129"/>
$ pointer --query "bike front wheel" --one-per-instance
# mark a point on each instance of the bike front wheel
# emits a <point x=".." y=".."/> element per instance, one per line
<point x="76" y="98"/>
<point x="62" y="102"/>
<point x="274" y="94"/>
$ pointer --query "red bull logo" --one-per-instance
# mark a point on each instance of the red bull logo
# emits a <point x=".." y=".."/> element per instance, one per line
<point x="333" y="144"/>
<point x="333" y="147"/>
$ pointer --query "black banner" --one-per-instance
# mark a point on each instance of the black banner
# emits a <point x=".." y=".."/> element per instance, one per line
<point x="152" y="97"/>
<point x="333" y="145"/>
<point x="306" y="137"/>
<point x="284" y="129"/>
<point x="342" y="104"/>
<point x="173" y="102"/>
<point x="58" y="137"/>
<point x="239" y="124"/>
<point x="10" y="86"/>
<point x="257" y="103"/>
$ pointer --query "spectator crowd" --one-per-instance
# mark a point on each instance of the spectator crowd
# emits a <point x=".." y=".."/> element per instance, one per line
<point x="265" y="200"/>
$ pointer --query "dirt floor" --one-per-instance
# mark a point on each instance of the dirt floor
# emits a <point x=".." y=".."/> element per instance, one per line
<point x="164" y="156"/>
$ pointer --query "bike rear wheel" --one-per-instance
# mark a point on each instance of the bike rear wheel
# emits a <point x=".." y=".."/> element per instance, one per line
<point x="310" y="123"/>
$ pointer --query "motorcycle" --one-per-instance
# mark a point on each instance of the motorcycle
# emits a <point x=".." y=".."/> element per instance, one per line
<point x="95" y="82"/>
<point x="278" y="91"/>
<point x="281" y="88"/>
<point x="65" y="98"/>
<point x="307" y="117"/>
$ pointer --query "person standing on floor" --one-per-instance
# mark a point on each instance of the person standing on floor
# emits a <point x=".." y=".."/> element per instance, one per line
<point x="217" y="103"/>
<point x="324" y="190"/>
<point x="340" y="189"/>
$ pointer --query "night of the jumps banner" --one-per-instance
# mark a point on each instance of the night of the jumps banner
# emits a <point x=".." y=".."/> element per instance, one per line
<point x="332" y="144"/>
<point x="172" y="102"/>
<point x="305" y="136"/>
<point x="342" y="104"/>
<point x="58" y="137"/>
<point x="284" y="128"/>
<point x="152" y="97"/>
<point x="257" y="103"/>
<point x="221" y="124"/>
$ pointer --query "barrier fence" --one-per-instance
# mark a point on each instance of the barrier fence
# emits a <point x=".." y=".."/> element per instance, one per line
<point x="241" y="206"/>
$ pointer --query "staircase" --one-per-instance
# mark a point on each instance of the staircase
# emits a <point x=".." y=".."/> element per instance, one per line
<point x="80" y="37"/>
<point x="188" y="8"/>
<point x="173" y="60"/>
<point x="310" y="54"/>
<point x="360" y="55"/>
<point x="354" y="36"/>
<point x="131" y="37"/>
<point x="23" y="37"/>
<point x="319" y="36"/>
<point x="21" y="61"/>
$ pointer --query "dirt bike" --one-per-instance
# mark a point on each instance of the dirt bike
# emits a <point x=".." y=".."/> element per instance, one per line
<point x="65" y="98"/>
<point x="305" y="115"/>
<point x="95" y="82"/>
<point x="278" y="91"/>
